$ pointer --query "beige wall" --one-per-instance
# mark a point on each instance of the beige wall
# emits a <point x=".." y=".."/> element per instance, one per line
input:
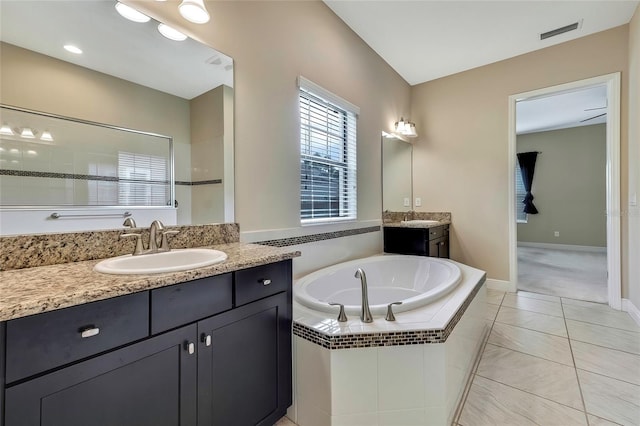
<point x="633" y="279"/>
<point x="569" y="186"/>
<point x="461" y="157"/>
<point x="272" y="43"/>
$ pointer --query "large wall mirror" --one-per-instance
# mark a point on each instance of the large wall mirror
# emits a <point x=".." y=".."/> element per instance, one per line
<point x="397" y="160"/>
<point x="128" y="76"/>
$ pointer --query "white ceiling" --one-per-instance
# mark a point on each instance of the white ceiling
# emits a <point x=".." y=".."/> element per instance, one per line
<point x="113" y="45"/>
<point x="424" y="40"/>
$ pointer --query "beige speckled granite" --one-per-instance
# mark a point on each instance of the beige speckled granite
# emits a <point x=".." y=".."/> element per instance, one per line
<point x="394" y="219"/>
<point x="34" y="290"/>
<point x="27" y="251"/>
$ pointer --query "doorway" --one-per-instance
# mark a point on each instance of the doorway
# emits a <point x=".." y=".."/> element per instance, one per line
<point x="540" y="258"/>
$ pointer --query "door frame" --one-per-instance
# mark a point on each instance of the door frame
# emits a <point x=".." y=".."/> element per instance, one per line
<point x="612" y="82"/>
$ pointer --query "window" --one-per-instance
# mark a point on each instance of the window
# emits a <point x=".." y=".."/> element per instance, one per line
<point x="328" y="191"/>
<point x="521" y="216"/>
<point x="143" y="180"/>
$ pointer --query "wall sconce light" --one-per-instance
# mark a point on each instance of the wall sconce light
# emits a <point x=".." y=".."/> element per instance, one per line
<point x="131" y="13"/>
<point x="171" y="33"/>
<point x="46" y="136"/>
<point x="27" y="133"/>
<point x="194" y="11"/>
<point x="6" y="130"/>
<point x="406" y="128"/>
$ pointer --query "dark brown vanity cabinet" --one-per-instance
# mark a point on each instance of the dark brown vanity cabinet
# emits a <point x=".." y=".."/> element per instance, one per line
<point x="433" y="241"/>
<point x="214" y="351"/>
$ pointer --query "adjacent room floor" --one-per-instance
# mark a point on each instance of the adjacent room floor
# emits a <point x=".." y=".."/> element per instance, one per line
<point x="555" y="361"/>
<point x="565" y="273"/>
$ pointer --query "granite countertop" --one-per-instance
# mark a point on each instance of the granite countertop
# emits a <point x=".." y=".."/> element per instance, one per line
<point x="45" y="288"/>
<point x="416" y="224"/>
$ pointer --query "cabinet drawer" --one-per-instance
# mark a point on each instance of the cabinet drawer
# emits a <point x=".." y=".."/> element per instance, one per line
<point x="41" y="342"/>
<point x="262" y="281"/>
<point x="180" y="304"/>
<point x="436" y="232"/>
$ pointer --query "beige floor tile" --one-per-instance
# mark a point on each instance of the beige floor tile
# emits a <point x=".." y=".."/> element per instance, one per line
<point x="613" y="338"/>
<point x="494" y="296"/>
<point x="538" y="296"/>
<point x="285" y="422"/>
<point x="553" y="348"/>
<point x="584" y="303"/>
<point x="492" y="403"/>
<point x="600" y="316"/>
<point x="608" y="362"/>
<point x="597" y="421"/>
<point x="610" y="399"/>
<point x="547" y="379"/>
<point x="532" y="320"/>
<point x="491" y="312"/>
<point x="534" y="305"/>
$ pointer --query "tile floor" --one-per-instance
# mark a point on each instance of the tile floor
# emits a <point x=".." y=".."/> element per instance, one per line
<point x="555" y="361"/>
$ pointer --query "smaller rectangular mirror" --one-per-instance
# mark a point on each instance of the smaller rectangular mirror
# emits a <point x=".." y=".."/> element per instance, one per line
<point x="49" y="160"/>
<point x="397" y="160"/>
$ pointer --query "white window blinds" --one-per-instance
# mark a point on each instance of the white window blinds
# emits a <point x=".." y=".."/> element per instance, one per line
<point x="143" y="180"/>
<point x="328" y="190"/>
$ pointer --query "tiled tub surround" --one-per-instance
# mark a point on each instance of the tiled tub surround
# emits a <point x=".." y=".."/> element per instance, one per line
<point x="27" y="251"/>
<point x="411" y="371"/>
<point x="390" y="218"/>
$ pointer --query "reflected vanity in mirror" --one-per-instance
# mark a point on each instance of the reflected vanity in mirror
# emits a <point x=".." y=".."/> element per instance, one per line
<point x="129" y="76"/>
<point x="396" y="174"/>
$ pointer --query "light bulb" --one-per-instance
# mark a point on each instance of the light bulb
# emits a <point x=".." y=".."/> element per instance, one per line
<point x="170" y="33"/>
<point x="46" y="136"/>
<point x="27" y="133"/>
<point x="131" y="14"/>
<point x="194" y="11"/>
<point x="73" y="49"/>
<point x="6" y="130"/>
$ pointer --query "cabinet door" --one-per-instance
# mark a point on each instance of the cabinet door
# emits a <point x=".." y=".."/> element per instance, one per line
<point x="412" y="241"/>
<point x="439" y="247"/>
<point x="244" y="364"/>
<point x="151" y="383"/>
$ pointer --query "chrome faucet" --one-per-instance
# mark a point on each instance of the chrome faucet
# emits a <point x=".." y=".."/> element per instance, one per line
<point x="365" y="312"/>
<point x="156" y="226"/>
<point x="156" y="231"/>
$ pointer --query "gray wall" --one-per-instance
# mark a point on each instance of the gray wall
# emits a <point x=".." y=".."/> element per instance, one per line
<point x="569" y="186"/>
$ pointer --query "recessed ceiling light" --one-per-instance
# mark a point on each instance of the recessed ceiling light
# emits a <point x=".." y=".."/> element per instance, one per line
<point x="73" y="49"/>
<point x="194" y="11"/>
<point x="131" y="14"/>
<point x="171" y="33"/>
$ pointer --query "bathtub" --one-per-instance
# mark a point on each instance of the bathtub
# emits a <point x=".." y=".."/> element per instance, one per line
<point x="413" y="280"/>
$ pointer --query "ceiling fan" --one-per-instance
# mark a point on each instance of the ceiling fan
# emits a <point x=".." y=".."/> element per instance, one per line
<point x="595" y="116"/>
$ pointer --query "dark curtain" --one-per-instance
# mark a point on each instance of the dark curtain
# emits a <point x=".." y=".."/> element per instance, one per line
<point x="527" y="162"/>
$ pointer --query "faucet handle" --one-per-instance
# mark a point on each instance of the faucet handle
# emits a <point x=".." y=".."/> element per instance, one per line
<point x="390" y="316"/>
<point x="164" y="245"/>
<point x="139" y="248"/>
<point x="130" y="222"/>
<point x="342" y="317"/>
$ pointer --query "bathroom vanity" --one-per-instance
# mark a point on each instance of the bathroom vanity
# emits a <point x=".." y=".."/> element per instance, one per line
<point x="420" y="240"/>
<point x="210" y="346"/>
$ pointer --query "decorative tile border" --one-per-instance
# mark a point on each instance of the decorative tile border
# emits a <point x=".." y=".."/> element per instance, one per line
<point x="199" y="182"/>
<point x="55" y="175"/>
<point x="392" y="338"/>
<point x="283" y="242"/>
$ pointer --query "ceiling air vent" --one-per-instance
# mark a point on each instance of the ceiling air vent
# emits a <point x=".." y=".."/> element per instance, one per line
<point x="559" y="31"/>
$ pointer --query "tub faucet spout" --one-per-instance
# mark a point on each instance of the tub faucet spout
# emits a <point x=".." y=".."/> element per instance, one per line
<point x="365" y="312"/>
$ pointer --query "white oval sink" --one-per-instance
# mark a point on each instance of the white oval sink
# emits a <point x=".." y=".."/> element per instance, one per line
<point x="420" y="222"/>
<point x="156" y="263"/>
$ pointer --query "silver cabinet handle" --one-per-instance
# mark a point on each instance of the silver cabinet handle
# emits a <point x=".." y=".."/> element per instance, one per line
<point x="206" y="339"/>
<point x="190" y="347"/>
<point x="265" y="281"/>
<point x="89" y="331"/>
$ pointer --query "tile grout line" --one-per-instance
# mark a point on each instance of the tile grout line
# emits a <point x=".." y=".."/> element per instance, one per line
<point x="525" y="353"/>
<point x="531" y="329"/>
<point x="586" y="415"/>
<point x="602" y="325"/>
<point x="606" y="347"/>
<point x="608" y="377"/>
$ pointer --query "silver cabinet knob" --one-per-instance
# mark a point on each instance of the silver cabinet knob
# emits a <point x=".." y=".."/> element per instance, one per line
<point x="89" y="331"/>
<point x="190" y="347"/>
<point x="265" y="281"/>
<point x="390" y="316"/>
<point x="206" y="339"/>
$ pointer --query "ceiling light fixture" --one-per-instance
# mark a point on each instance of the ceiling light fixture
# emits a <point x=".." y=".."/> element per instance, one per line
<point x="46" y="136"/>
<point x="194" y="11"/>
<point x="406" y="128"/>
<point x="6" y="130"/>
<point x="131" y="14"/>
<point x="27" y="133"/>
<point x="73" y="49"/>
<point x="171" y="33"/>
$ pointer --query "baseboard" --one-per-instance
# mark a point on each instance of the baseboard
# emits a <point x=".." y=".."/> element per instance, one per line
<point x="631" y="309"/>
<point x="500" y="285"/>
<point x="591" y="249"/>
